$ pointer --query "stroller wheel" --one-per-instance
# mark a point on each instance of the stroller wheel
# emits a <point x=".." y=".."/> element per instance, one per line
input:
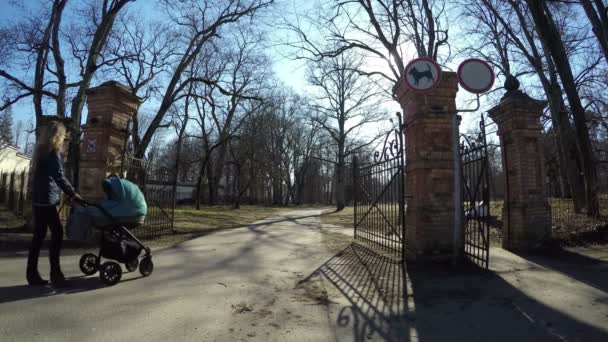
<point x="89" y="263"/>
<point x="110" y="272"/>
<point x="146" y="266"/>
<point x="132" y="265"/>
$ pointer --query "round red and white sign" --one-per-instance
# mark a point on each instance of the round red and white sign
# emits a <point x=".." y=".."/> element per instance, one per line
<point x="475" y="75"/>
<point x="422" y="74"/>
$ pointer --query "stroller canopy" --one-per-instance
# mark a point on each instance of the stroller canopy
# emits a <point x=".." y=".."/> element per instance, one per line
<point x="124" y="199"/>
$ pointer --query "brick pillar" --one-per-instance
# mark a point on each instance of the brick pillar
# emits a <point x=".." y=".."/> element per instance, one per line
<point x="526" y="214"/>
<point x="111" y="106"/>
<point x="429" y="168"/>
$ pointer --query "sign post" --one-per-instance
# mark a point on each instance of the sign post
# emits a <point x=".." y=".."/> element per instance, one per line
<point x="475" y="76"/>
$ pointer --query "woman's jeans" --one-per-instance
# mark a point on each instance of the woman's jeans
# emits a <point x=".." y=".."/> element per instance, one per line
<point x="44" y="217"/>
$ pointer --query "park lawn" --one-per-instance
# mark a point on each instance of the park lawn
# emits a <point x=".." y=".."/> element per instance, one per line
<point x="343" y="218"/>
<point x="9" y="221"/>
<point x="189" y="223"/>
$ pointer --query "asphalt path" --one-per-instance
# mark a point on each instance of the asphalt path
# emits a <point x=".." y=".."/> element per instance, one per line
<point x="233" y="285"/>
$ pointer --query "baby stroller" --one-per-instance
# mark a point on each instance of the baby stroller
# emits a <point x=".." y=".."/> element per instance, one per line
<point x="122" y="211"/>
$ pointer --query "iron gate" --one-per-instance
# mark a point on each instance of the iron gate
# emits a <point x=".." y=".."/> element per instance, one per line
<point x="476" y="196"/>
<point x="156" y="183"/>
<point x="379" y="202"/>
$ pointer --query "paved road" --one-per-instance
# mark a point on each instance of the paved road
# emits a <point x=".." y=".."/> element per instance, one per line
<point x="234" y="285"/>
<point x="285" y="279"/>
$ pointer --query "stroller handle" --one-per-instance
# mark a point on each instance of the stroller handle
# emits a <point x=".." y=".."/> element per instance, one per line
<point x="103" y="210"/>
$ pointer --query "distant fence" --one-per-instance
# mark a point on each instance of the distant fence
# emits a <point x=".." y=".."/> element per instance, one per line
<point x="566" y="222"/>
<point x="157" y="184"/>
<point x="13" y="191"/>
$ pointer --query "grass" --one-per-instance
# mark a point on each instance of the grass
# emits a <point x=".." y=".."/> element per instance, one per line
<point x="566" y="224"/>
<point x="9" y="221"/>
<point x="343" y="218"/>
<point x="189" y="223"/>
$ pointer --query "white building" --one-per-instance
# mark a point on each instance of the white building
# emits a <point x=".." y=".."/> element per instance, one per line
<point x="11" y="160"/>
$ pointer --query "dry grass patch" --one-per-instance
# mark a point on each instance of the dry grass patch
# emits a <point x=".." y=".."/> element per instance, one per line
<point x="191" y="223"/>
<point x="343" y="218"/>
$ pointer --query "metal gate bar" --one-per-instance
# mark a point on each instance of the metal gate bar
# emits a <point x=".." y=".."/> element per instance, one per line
<point x="156" y="183"/>
<point x="476" y="196"/>
<point x="379" y="202"/>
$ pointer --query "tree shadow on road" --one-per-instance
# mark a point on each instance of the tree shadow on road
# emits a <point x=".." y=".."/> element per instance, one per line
<point x="389" y="302"/>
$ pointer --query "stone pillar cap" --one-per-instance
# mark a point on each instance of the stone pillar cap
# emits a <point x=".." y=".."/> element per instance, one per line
<point x="118" y="86"/>
<point x="515" y="96"/>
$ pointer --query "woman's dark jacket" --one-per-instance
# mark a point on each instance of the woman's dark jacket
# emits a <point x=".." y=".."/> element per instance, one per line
<point x="49" y="181"/>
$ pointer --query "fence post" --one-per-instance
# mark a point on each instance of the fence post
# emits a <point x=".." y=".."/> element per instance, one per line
<point x="355" y="192"/>
<point x="1" y="188"/>
<point x="11" y="191"/>
<point x="22" y="193"/>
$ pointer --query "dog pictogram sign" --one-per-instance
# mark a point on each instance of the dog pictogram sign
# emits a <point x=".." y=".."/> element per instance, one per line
<point x="422" y="74"/>
<point x="475" y="75"/>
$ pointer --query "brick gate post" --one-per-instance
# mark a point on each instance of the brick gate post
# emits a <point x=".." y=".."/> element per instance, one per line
<point x="526" y="213"/>
<point x="111" y="105"/>
<point x="429" y="168"/>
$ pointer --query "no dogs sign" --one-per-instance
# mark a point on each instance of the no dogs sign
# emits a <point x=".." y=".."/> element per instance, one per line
<point x="422" y="74"/>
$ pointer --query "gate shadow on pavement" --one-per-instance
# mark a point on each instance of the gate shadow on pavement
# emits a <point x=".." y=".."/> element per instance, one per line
<point x="420" y="303"/>
<point x="75" y="285"/>
<point x="374" y="286"/>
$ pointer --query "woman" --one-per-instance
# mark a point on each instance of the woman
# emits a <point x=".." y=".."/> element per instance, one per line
<point x="46" y="190"/>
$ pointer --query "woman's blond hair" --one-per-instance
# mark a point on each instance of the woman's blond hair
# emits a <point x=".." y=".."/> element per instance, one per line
<point x="50" y="140"/>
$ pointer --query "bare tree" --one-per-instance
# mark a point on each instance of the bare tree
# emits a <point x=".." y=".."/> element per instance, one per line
<point x="597" y="13"/>
<point x="141" y="54"/>
<point x="6" y="126"/>
<point x="508" y="23"/>
<point x="346" y="104"/>
<point x="380" y="29"/>
<point x="28" y="40"/>
<point x="550" y="35"/>
<point x="199" y="23"/>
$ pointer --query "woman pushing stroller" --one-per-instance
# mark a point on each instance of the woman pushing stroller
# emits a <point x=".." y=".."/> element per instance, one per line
<point x="48" y="183"/>
<point x="124" y="205"/>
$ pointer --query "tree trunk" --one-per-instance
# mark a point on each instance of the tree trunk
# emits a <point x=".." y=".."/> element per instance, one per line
<point x="340" y="183"/>
<point x="178" y="152"/>
<point x="100" y="38"/>
<point x="549" y="34"/>
<point x="599" y="23"/>
<point x="567" y="145"/>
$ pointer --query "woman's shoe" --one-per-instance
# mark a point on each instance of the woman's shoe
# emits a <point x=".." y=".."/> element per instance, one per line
<point x="34" y="279"/>
<point x="58" y="279"/>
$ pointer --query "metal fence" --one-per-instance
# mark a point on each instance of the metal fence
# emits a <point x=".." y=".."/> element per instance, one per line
<point x="567" y="223"/>
<point x="476" y="195"/>
<point x="379" y="201"/>
<point x="13" y="191"/>
<point x="158" y="186"/>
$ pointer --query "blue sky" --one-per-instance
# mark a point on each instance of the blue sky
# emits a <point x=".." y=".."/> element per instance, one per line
<point x="288" y="71"/>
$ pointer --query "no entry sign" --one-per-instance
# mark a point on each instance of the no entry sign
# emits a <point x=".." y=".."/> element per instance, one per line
<point x="475" y="75"/>
<point x="422" y="74"/>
